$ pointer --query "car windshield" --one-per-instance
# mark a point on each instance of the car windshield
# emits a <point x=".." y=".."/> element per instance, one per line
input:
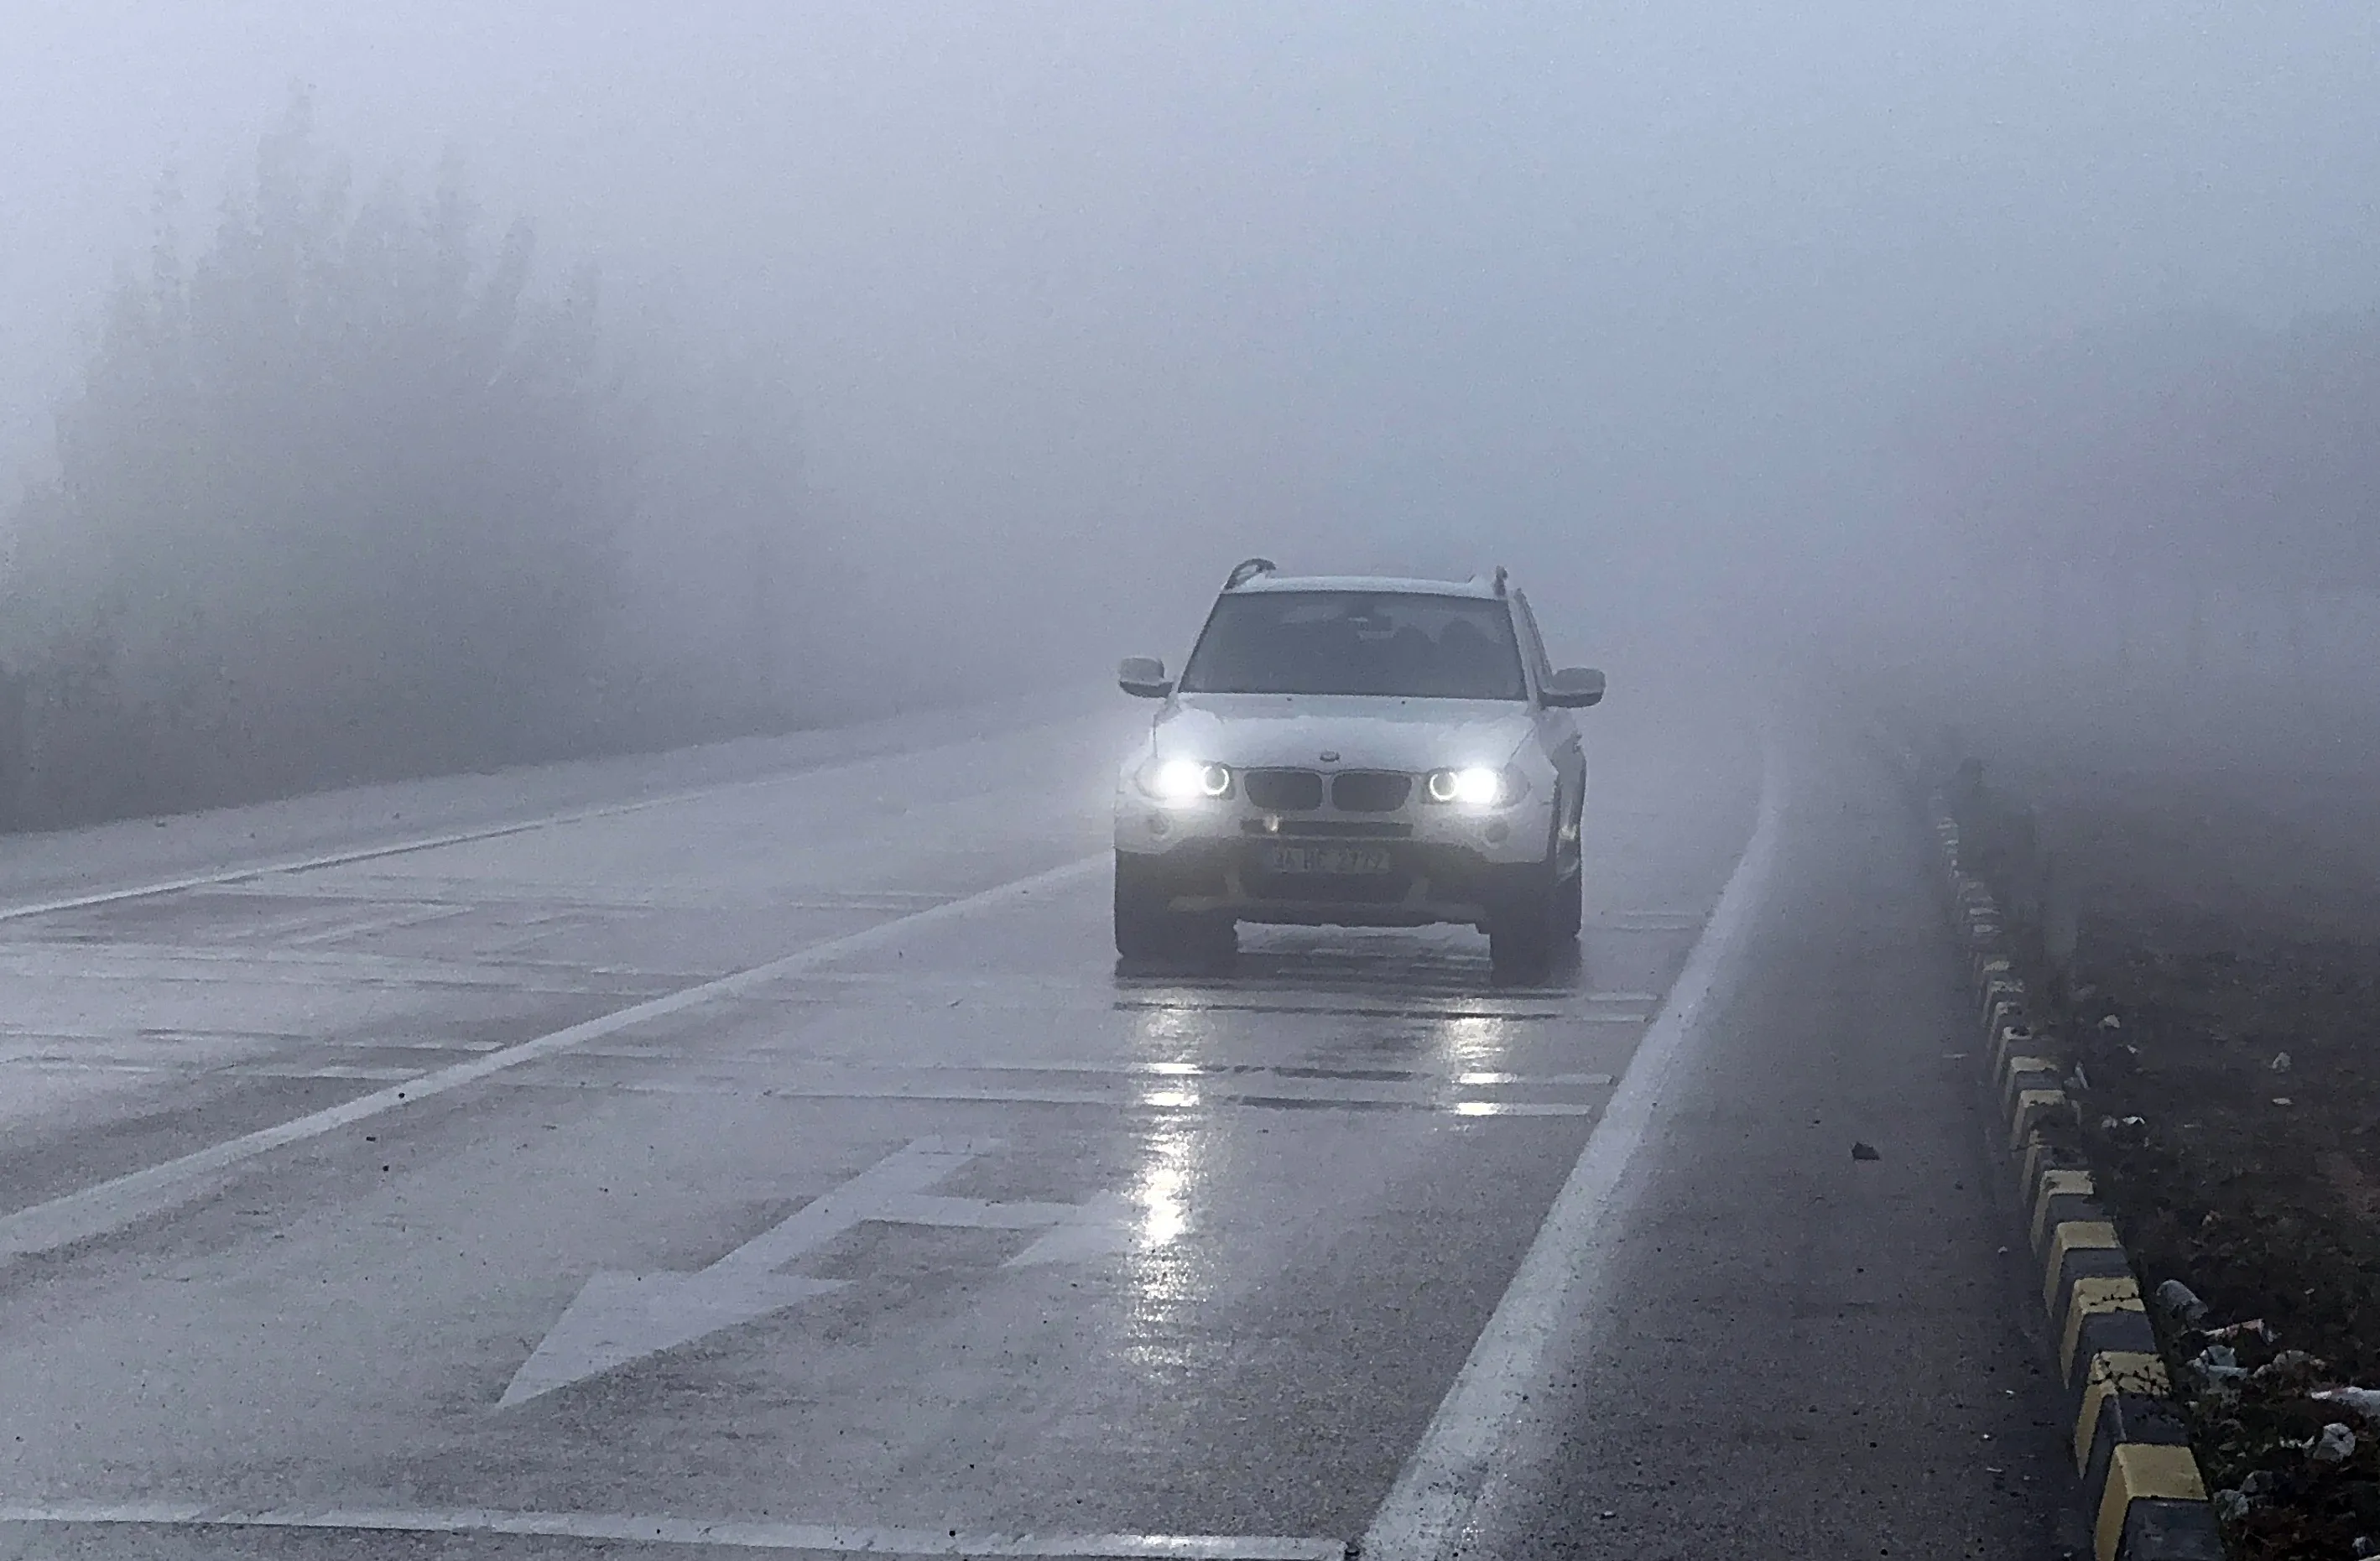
<point x="1358" y="642"/>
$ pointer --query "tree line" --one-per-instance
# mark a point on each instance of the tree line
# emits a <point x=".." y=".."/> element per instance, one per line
<point x="360" y="489"/>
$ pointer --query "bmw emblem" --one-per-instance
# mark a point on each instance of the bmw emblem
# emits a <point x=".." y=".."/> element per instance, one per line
<point x="1330" y="755"/>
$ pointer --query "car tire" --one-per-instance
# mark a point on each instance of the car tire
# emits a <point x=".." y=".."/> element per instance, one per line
<point x="1525" y="934"/>
<point x="1144" y="928"/>
<point x="1148" y="933"/>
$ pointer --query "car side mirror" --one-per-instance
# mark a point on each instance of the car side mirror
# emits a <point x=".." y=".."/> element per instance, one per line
<point x="1144" y="677"/>
<point x="1574" y="688"/>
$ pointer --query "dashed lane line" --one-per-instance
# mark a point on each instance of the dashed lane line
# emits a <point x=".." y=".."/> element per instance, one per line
<point x="392" y="920"/>
<point x="111" y="1205"/>
<point x="1151" y="1100"/>
<point x="1327" y="1078"/>
<point x="727" y="1534"/>
<point x="1633" y="1015"/>
<point x="1333" y="1096"/>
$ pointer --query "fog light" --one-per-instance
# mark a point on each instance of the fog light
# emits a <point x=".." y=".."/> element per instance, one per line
<point x="1158" y="824"/>
<point x="1496" y="832"/>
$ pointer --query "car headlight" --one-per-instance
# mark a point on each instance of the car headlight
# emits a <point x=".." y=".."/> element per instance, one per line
<point x="1185" y="780"/>
<point x="1474" y="786"/>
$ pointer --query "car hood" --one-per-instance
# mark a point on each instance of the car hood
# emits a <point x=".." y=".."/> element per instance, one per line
<point x="1296" y="729"/>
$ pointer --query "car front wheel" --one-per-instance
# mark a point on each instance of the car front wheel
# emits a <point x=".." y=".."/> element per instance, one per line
<point x="1148" y="932"/>
<point x="1528" y="930"/>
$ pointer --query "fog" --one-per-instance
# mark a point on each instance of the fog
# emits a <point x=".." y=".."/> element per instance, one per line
<point x="1715" y="322"/>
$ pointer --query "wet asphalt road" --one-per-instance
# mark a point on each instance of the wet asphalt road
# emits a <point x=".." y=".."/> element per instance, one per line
<point x="443" y="1191"/>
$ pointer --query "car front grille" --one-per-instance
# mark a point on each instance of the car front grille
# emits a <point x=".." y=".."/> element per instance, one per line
<point x="1284" y="791"/>
<point x="1369" y="790"/>
<point x="1330" y="828"/>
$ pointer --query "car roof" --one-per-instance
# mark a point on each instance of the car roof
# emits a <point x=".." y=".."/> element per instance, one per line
<point x="1381" y="584"/>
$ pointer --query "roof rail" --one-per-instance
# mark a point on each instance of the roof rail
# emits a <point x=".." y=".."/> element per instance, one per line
<point x="1499" y="579"/>
<point x="1247" y="570"/>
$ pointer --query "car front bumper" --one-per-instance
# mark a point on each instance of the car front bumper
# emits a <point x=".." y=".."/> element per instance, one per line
<point x="1427" y="882"/>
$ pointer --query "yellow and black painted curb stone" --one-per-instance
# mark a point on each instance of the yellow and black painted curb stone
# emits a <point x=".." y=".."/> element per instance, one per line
<point x="2140" y="1483"/>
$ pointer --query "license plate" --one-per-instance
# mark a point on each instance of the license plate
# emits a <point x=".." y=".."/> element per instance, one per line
<point x="1335" y="861"/>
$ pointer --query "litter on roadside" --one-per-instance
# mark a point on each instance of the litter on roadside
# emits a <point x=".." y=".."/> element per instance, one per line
<point x="2365" y="1401"/>
<point x="2256" y="1327"/>
<point x="2289" y="1362"/>
<point x="2181" y="1303"/>
<point x="2215" y="1369"/>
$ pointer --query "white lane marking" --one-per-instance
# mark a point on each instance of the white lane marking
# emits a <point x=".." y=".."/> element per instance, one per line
<point x="276" y="930"/>
<point x="1106" y="1215"/>
<point x="516" y="893"/>
<point x="1334" y="1006"/>
<point x="1346" y="1098"/>
<point x="1647" y="921"/>
<point x="111" y="1205"/>
<point x="1428" y="1511"/>
<point x="798" y="771"/>
<point x="994" y="1095"/>
<point x="419" y="843"/>
<point x="1299" y="1073"/>
<point x="150" y="965"/>
<point x="1549" y="1016"/>
<point x="839" y="1538"/>
<point x="416" y="915"/>
<point x="327" y="1070"/>
<point x="620" y="1318"/>
<point x="330" y="859"/>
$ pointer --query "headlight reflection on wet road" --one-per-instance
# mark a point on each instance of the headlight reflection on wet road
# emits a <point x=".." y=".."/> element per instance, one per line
<point x="1168" y="1281"/>
<point x="1163" y="1189"/>
<point x="1476" y="1043"/>
<point x="1169" y="1159"/>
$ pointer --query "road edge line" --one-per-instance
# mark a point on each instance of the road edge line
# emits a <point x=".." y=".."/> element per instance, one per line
<point x="726" y="1534"/>
<point x="1428" y="1511"/>
<point x="110" y="1206"/>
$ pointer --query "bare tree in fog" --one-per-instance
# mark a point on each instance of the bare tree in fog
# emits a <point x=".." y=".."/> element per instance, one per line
<point x="346" y="496"/>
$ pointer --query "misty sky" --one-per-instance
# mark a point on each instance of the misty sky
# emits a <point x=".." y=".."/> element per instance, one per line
<point x="1631" y="284"/>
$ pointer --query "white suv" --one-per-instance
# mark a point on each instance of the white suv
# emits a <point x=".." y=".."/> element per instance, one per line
<point x="1355" y="752"/>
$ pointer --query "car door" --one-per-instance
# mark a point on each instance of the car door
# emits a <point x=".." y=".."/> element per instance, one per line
<point x="1556" y="732"/>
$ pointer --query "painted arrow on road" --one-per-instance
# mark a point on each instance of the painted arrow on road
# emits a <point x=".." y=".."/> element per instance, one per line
<point x="619" y="1318"/>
